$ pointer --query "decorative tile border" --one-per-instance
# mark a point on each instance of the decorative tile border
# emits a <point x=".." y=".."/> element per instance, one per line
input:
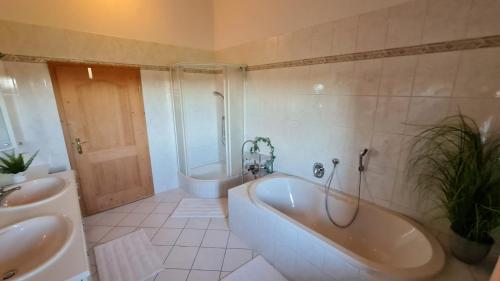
<point x="447" y="46"/>
<point x="202" y="71"/>
<point x="38" y="59"/>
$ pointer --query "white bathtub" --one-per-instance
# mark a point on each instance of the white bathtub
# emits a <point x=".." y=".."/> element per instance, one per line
<point x="289" y="223"/>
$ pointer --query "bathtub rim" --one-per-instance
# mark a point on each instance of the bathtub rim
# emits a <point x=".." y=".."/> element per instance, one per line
<point x="431" y="268"/>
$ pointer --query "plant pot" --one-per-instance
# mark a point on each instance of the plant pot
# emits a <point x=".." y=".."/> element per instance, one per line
<point x="469" y="251"/>
<point x="19" y="178"/>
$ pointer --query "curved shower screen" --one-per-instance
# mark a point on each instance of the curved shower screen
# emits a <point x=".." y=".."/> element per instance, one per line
<point x="208" y="111"/>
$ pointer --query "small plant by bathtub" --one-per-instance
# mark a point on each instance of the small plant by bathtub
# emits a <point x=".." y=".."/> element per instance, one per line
<point x="14" y="164"/>
<point x="255" y="148"/>
<point x="460" y="166"/>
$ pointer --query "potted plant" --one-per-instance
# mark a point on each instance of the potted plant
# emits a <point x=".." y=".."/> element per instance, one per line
<point x="15" y="165"/>
<point x="460" y="166"/>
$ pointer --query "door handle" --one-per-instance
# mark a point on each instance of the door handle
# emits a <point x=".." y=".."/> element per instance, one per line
<point x="79" y="143"/>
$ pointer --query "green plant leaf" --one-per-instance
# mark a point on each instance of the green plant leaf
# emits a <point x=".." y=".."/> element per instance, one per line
<point x="460" y="167"/>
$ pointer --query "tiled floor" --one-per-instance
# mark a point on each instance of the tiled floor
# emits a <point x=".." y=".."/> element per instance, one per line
<point x="195" y="249"/>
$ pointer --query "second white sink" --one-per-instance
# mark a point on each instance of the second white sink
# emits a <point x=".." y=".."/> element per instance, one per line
<point x="30" y="246"/>
<point x="35" y="191"/>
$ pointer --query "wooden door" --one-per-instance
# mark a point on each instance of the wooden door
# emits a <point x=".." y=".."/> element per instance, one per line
<point x="102" y="107"/>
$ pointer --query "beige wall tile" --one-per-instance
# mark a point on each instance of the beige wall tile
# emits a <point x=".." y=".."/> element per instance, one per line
<point x="358" y="112"/>
<point x="385" y="150"/>
<point x="484" y="111"/>
<point x="320" y="79"/>
<point x="406" y="22"/>
<point x="479" y="74"/>
<point x="372" y="30"/>
<point x="297" y="79"/>
<point x="342" y="77"/>
<point x="484" y="18"/>
<point x="322" y="39"/>
<point x="391" y="114"/>
<point x="397" y="76"/>
<point x="380" y="183"/>
<point x="33" y="40"/>
<point x="344" y="37"/>
<point x="367" y="74"/>
<point x="445" y="20"/>
<point x="436" y="74"/>
<point x="425" y="111"/>
<point x="294" y="45"/>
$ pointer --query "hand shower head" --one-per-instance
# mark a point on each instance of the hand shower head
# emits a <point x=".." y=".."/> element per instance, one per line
<point x="362" y="154"/>
<point x="218" y="94"/>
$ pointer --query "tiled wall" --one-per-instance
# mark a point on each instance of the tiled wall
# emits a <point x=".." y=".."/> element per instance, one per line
<point x="160" y="125"/>
<point x="36" y="40"/>
<point x="32" y="109"/>
<point x="317" y="112"/>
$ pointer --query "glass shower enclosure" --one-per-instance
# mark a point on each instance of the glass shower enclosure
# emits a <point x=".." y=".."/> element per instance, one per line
<point x="209" y="124"/>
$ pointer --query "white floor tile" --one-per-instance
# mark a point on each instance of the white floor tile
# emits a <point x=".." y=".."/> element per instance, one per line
<point x="145" y="208"/>
<point x="215" y="238"/>
<point x="132" y="219"/>
<point x="93" y="219"/>
<point x="150" y="231"/>
<point x="172" y="275"/>
<point x="235" y="258"/>
<point x="181" y="257"/>
<point x="190" y="237"/>
<point x="175" y="223"/>
<point x="218" y="223"/>
<point x="209" y="259"/>
<point x="96" y="233"/>
<point x="153" y="199"/>
<point x="224" y="274"/>
<point x="126" y="208"/>
<point x="173" y="196"/>
<point x="151" y="278"/>
<point x="154" y="220"/>
<point x="117" y="232"/>
<point x="236" y="242"/>
<point x="162" y="251"/>
<point x="202" y="275"/>
<point x="198" y="223"/>
<point x="166" y="236"/>
<point x="165" y="208"/>
<point x="111" y="219"/>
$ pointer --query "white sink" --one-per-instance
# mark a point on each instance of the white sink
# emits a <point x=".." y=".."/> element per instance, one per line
<point x="35" y="191"/>
<point x="32" y="245"/>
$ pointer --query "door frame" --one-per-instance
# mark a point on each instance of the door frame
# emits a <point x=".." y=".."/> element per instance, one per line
<point x="64" y="124"/>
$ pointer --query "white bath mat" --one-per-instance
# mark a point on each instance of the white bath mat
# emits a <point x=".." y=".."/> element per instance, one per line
<point x="201" y="208"/>
<point x="256" y="270"/>
<point x="128" y="258"/>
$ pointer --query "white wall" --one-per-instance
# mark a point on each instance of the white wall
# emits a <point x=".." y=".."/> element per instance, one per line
<point x="240" y="21"/>
<point x="176" y="22"/>
<point x="33" y="113"/>
<point x="204" y="24"/>
<point x="160" y="126"/>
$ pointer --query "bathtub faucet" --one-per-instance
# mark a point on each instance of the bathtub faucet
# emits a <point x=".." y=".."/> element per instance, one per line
<point x="6" y="191"/>
<point x="255" y="168"/>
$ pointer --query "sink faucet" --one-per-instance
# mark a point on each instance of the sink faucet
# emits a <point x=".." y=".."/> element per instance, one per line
<point x="5" y="191"/>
